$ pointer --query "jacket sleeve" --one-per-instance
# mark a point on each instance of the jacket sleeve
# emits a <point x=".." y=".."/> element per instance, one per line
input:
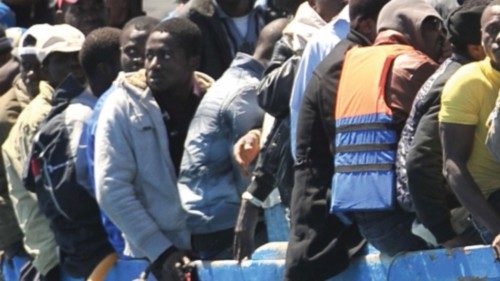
<point x="425" y="177"/>
<point x="276" y="87"/>
<point x="493" y="137"/>
<point x="39" y="239"/>
<point x="243" y="113"/>
<point x="115" y="169"/>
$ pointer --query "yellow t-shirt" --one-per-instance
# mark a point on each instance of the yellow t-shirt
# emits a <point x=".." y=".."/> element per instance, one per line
<point x="468" y="98"/>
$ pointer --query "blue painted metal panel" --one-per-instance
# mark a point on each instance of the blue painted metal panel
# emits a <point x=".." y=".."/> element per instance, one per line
<point x="471" y="263"/>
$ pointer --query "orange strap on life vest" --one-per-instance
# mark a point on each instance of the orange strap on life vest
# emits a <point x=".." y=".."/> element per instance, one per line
<point x="362" y="83"/>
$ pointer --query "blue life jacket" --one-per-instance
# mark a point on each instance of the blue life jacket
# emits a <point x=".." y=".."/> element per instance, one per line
<point x="365" y="138"/>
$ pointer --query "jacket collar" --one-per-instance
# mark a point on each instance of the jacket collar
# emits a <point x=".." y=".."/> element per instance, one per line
<point x="248" y="63"/>
<point x="388" y="37"/>
<point x="358" y="38"/>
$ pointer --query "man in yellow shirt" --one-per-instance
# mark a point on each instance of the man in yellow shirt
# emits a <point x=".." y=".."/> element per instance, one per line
<point x="468" y="98"/>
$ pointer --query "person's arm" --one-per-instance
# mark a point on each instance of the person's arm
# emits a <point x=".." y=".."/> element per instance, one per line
<point x="457" y="141"/>
<point x="424" y="169"/>
<point x="39" y="238"/>
<point x="115" y="170"/>
<point x="247" y="148"/>
<point x="243" y="115"/>
<point x="493" y="138"/>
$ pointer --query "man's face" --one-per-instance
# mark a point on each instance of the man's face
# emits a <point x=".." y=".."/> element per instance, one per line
<point x="59" y="65"/>
<point x="86" y="15"/>
<point x="30" y="73"/>
<point x="490" y="26"/>
<point x="328" y="8"/>
<point x="434" y="37"/>
<point x="133" y="45"/>
<point x="167" y="65"/>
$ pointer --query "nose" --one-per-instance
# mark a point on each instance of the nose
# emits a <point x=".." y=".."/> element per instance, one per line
<point x="138" y="60"/>
<point x="154" y="63"/>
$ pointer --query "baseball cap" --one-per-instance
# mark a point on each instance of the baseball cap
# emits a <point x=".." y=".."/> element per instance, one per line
<point x="62" y="38"/>
<point x="50" y="39"/>
<point x="29" y="42"/>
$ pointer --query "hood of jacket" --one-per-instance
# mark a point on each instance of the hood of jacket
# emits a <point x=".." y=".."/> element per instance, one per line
<point x="202" y="81"/>
<point x="305" y="23"/>
<point x="406" y="17"/>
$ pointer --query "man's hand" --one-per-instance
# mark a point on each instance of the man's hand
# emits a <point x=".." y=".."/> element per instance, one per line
<point x="496" y="246"/>
<point x="247" y="148"/>
<point x="170" y="265"/>
<point x="245" y="230"/>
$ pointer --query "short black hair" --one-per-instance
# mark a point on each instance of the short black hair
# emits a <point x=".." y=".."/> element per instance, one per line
<point x="186" y="33"/>
<point x="146" y="23"/>
<point x="101" y="45"/>
<point x="464" y="25"/>
<point x="365" y="9"/>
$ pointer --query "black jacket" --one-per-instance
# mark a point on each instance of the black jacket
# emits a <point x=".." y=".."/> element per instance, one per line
<point x="275" y="163"/>
<point x="73" y="213"/>
<point x="216" y="53"/>
<point x="317" y="246"/>
<point x="421" y="186"/>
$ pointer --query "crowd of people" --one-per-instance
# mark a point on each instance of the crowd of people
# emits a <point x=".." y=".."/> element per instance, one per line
<point x="124" y="136"/>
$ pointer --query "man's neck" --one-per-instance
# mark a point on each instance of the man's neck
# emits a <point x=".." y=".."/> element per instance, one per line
<point x="173" y="100"/>
<point x="236" y="10"/>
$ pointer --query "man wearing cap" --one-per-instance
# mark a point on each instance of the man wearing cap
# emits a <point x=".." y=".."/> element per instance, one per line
<point x="56" y="48"/>
<point x="25" y="87"/>
<point x="421" y="185"/>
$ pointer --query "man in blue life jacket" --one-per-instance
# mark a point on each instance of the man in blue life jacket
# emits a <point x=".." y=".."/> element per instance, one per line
<point x="369" y="117"/>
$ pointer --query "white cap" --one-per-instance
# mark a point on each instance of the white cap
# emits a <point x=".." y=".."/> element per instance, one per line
<point x="51" y="38"/>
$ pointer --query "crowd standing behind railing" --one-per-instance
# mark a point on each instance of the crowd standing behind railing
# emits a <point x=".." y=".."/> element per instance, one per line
<point x="128" y="137"/>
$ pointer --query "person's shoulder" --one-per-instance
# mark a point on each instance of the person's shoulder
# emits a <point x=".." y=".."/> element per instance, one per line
<point x="467" y="76"/>
<point x="198" y="8"/>
<point x="415" y="61"/>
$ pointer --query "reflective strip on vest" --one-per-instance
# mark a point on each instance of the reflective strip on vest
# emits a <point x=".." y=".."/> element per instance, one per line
<point x="365" y="139"/>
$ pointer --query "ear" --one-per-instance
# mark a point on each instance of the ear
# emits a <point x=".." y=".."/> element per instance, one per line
<point x="194" y="62"/>
<point x="476" y="52"/>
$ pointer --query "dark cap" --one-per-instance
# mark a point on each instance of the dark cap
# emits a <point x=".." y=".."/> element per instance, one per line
<point x="464" y="25"/>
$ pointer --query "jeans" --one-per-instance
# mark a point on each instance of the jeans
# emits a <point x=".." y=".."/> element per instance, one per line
<point x="219" y="245"/>
<point x="389" y="231"/>
<point x="485" y="234"/>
